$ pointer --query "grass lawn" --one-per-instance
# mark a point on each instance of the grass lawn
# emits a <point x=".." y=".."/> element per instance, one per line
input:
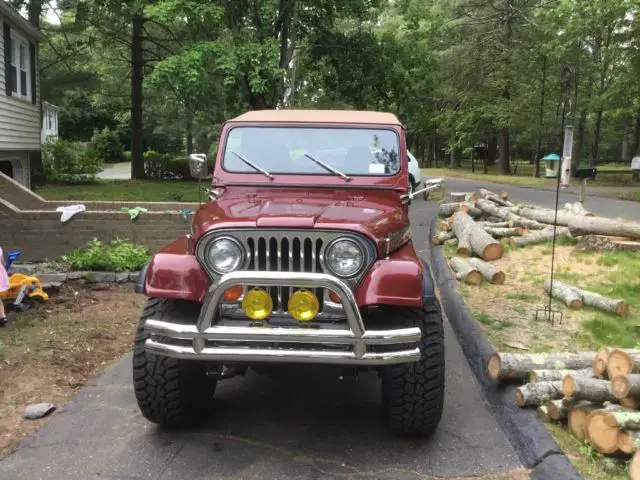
<point x="608" y="176"/>
<point x="125" y="190"/>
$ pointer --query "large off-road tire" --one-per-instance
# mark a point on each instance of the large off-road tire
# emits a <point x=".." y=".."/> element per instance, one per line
<point x="413" y="393"/>
<point x="170" y="392"/>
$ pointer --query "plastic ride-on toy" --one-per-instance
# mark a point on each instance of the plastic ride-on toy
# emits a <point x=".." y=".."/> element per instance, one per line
<point x="22" y="288"/>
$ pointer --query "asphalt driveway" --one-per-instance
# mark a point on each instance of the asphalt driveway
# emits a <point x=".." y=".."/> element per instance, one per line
<point x="303" y="424"/>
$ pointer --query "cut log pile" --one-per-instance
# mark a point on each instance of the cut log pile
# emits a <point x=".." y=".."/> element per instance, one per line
<point x="595" y="394"/>
<point x="479" y="224"/>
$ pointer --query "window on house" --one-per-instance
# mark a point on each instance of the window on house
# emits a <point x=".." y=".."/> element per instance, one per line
<point x="20" y="74"/>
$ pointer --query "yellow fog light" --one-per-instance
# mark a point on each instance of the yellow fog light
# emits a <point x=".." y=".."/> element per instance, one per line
<point x="257" y="304"/>
<point x="303" y="305"/>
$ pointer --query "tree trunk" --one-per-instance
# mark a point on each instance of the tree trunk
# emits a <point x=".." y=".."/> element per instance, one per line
<point x="539" y="236"/>
<point x="481" y="242"/>
<point x="624" y="420"/>
<point x="34" y="12"/>
<point x="545" y="215"/>
<point x="629" y="441"/>
<point x="564" y="293"/>
<point x="518" y="366"/>
<point x="584" y="388"/>
<point x="507" y="215"/>
<point x="626" y="386"/>
<point x="538" y="153"/>
<point x="579" y="148"/>
<point x="455" y="161"/>
<point x="601" y="243"/>
<point x="441" y="237"/>
<point x="552" y="374"/>
<point x="505" y="232"/>
<point x="604" y="226"/>
<point x="595" y="154"/>
<point x="464" y="272"/>
<point x="636" y="136"/>
<point x="448" y="209"/>
<point x="495" y="198"/>
<point x="577" y="416"/>
<point x="626" y="134"/>
<point x="492" y="152"/>
<point x="622" y="362"/>
<point x="534" y="394"/>
<point x="504" y="167"/>
<point x="558" y="409"/>
<point x="595" y="300"/>
<point x="543" y="413"/>
<point x="137" y="127"/>
<point x="488" y="271"/>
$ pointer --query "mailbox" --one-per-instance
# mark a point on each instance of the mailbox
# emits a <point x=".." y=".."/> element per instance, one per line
<point x="585" y="173"/>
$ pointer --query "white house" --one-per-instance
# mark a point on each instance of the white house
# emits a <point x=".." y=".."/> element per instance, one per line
<point x="20" y="120"/>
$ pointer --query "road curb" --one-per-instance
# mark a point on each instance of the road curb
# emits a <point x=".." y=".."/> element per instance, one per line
<point x="533" y="443"/>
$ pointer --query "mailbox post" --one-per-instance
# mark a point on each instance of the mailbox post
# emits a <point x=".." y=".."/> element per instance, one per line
<point x="584" y="174"/>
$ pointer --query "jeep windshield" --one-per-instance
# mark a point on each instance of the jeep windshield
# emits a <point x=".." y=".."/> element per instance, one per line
<point x="286" y="150"/>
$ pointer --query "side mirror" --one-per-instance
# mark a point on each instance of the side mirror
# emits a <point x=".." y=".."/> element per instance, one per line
<point x="198" y="165"/>
<point x="429" y="185"/>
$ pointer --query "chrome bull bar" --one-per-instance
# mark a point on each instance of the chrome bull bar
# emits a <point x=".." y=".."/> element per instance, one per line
<point x="246" y="338"/>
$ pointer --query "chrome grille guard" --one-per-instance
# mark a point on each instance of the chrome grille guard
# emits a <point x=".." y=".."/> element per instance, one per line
<point x="263" y="344"/>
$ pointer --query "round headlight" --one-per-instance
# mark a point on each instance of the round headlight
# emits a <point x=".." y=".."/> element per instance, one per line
<point x="345" y="258"/>
<point x="224" y="255"/>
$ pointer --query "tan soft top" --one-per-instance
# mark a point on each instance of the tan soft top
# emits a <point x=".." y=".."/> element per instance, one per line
<point x="319" y="116"/>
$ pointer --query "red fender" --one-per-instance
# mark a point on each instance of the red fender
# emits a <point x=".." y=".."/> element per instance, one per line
<point x="397" y="280"/>
<point x="175" y="273"/>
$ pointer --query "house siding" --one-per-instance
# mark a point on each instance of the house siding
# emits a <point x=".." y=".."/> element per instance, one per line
<point x="20" y="123"/>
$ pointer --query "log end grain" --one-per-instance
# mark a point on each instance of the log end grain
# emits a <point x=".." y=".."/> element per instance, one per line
<point x="622" y="309"/>
<point x="576" y="419"/>
<point x="520" y="400"/>
<point x="494" y="365"/>
<point x="630" y="402"/>
<point x="619" y="363"/>
<point x="498" y="278"/>
<point x="634" y="466"/>
<point x="627" y="442"/>
<point x="474" y="278"/>
<point x="568" y="386"/>
<point x="493" y="251"/>
<point x="602" y="436"/>
<point x="620" y="386"/>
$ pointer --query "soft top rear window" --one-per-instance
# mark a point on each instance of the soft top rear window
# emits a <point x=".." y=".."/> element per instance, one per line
<point x="286" y="150"/>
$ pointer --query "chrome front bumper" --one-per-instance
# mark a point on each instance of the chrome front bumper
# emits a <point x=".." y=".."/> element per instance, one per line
<point x="335" y="346"/>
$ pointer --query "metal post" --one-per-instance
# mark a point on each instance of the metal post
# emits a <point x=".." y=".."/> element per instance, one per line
<point x="583" y="190"/>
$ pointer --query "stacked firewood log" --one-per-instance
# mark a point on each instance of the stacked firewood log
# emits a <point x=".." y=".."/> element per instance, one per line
<point x="481" y="223"/>
<point x="595" y="394"/>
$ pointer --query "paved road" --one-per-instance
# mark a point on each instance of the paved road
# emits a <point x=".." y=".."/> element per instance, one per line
<point x="116" y="171"/>
<point x="304" y="424"/>
<point x="599" y="205"/>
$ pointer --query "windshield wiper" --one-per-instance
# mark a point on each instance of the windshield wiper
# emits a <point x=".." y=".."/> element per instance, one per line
<point x="329" y="168"/>
<point x="253" y="165"/>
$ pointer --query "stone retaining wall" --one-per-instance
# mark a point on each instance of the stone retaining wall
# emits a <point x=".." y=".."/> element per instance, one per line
<point x="30" y="224"/>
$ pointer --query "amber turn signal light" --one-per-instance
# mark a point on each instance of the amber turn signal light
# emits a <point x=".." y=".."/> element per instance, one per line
<point x="233" y="293"/>
<point x="334" y="297"/>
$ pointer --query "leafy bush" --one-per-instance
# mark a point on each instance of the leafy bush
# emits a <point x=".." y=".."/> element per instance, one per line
<point x="107" y="145"/>
<point x="69" y="162"/>
<point x="126" y="156"/>
<point x="163" y="166"/>
<point x="117" y="256"/>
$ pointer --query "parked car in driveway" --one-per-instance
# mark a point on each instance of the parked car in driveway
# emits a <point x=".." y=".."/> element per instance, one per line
<point x="304" y="255"/>
<point x="414" y="171"/>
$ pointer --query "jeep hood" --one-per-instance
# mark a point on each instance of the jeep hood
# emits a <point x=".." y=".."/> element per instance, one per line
<point x="374" y="213"/>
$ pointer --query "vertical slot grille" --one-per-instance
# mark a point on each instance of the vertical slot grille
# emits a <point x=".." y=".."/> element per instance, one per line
<point x="285" y="254"/>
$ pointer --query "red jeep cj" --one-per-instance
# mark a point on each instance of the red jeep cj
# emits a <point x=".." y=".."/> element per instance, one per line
<point x="303" y="255"/>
